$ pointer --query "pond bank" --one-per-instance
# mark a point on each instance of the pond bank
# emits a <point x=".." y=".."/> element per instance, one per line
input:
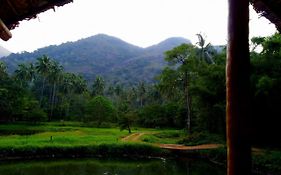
<point x="101" y="150"/>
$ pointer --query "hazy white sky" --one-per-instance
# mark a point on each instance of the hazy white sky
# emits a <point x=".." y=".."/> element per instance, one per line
<point x="140" y="22"/>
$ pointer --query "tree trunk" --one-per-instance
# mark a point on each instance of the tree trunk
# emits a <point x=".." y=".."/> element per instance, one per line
<point x="42" y="92"/>
<point x="129" y="129"/>
<point x="53" y="101"/>
<point x="141" y="101"/>
<point x="187" y="102"/>
<point x="238" y="90"/>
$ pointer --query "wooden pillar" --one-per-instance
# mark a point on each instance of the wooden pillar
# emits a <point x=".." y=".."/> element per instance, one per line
<point x="238" y="90"/>
<point x="5" y="34"/>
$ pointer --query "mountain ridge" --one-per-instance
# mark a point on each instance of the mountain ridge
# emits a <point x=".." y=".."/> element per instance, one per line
<point x="104" y="55"/>
<point x="4" y="52"/>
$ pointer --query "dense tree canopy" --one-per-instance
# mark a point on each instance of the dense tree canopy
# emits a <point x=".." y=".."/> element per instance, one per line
<point x="189" y="92"/>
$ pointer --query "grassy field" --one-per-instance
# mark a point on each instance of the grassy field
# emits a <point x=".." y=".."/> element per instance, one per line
<point x="71" y="134"/>
<point x="73" y="139"/>
<point x="52" y="134"/>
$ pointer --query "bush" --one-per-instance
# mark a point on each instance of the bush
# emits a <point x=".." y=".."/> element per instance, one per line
<point x="37" y="115"/>
<point x="267" y="161"/>
<point x="100" y="109"/>
<point x="105" y="150"/>
<point x="167" y="115"/>
<point x="199" y="138"/>
<point x="32" y="111"/>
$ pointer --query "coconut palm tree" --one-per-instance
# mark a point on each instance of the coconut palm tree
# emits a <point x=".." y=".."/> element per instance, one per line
<point x="54" y="76"/>
<point x="42" y="66"/>
<point x="98" y="86"/>
<point x="141" y="93"/>
<point x="3" y="70"/>
<point x="25" y="73"/>
<point x="205" y="50"/>
<point x="180" y="57"/>
<point x="80" y="84"/>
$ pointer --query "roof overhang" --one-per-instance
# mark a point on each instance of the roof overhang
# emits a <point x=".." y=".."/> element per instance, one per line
<point x="14" y="11"/>
<point x="271" y="9"/>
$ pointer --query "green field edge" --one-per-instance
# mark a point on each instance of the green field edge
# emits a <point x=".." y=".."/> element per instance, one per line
<point x="136" y="150"/>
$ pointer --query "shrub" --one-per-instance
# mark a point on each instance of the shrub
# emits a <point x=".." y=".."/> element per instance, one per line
<point x="100" y="109"/>
<point x="198" y="138"/>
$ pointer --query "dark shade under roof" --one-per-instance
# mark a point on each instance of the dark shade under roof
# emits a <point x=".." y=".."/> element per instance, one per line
<point x="14" y="11"/>
<point x="271" y="9"/>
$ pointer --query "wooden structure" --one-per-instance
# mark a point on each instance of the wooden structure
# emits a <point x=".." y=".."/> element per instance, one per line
<point x="14" y="11"/>
<point x="238" y="89"/>
<point x="271" y="9"/>
<point x="238" y="80"/>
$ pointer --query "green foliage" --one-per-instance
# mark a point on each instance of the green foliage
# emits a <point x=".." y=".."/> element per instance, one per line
<point x="196" y="81"/>
<point x="126" y="120"/>
<point x="107" y="56"/>
<point x="192" y="86"/>
<point x="11" y="95"/>
<point x="268" y="161"/>
<point x="3" y="70"/>
<point x="199" y="138"/>
<point x="32" y="111"/>
<point x="100" y="109"/>
<point x="39" y="89"/>
<point x="98" y="86"/>
<point x="265" y="87"/>
<point x="164" y="137"/>
<point x="69" y="139"/>
<point x="208" y="96"/>
<point x="36" y="115"/>
<point x="169" y="84"/>
<point x="155" y="115"/>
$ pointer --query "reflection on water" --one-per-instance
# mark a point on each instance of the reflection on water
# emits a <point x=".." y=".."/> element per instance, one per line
<point x="111" y="167"/>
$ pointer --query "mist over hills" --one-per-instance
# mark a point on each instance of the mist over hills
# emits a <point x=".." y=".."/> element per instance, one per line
<point x="115" y="60"/>
<point x="4" y="52"/>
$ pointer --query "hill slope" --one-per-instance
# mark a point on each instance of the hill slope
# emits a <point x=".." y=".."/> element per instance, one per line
<point x="110" y="57"/>
<point x="4" y="52"/>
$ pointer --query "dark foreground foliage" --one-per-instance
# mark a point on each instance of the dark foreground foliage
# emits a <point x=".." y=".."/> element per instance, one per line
<point x="104" y="150"/>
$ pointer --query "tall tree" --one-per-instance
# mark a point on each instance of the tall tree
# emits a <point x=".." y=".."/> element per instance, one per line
<point x="25" y="74"/>
<point x="43" y="66"/>
<point x="141" y="93"/>
<point x="180" y="57"/>
<point x="169" y="84"/>
<point x="98" y="86"/>
<point x="206" y="50"/>
<point x="55" y="75"/>
<point x="100" y="109"/>
<point x="3" y="70"/>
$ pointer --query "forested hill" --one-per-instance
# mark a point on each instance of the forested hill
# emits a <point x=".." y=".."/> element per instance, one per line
<point x="4" y="52"/>
<point x="104" y="55"/>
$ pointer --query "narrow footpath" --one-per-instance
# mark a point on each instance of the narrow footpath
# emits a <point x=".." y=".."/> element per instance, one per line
<point x="135" y="137"/>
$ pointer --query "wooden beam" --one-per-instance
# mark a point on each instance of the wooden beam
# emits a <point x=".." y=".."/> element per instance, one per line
<point x="238" y="90"/>
<point x="5" y="33"/>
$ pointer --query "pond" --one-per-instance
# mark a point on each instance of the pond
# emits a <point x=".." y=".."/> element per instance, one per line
<point x="111" y="167"/>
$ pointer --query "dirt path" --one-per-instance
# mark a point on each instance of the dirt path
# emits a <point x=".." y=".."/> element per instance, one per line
<point x="183" y="147"/>
<point x="136" y="138"/>
<point x="133" y="137"/>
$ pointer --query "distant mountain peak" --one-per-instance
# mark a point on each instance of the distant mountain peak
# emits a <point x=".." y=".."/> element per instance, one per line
<point x="4" y="52"/>
<point x="168" y="44"/>
<point x="176" y="39"/>
<point x="104" y="55"/>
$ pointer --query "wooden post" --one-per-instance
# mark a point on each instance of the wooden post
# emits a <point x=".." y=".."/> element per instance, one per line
<point x="5" y="34"/>
<point x="238" y="90"/>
